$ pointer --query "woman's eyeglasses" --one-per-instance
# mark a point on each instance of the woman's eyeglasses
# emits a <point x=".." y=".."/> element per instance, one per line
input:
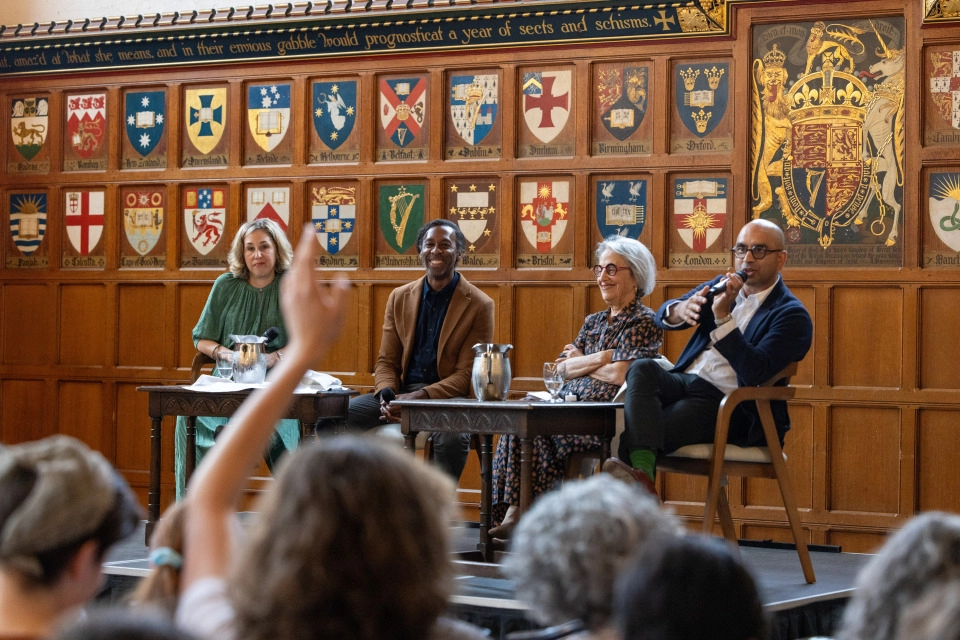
<point x="758" y="250"/>
<point x="611" y="269"/>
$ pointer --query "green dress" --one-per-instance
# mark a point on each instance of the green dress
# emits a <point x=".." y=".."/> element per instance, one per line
<point x="236" y="307"/>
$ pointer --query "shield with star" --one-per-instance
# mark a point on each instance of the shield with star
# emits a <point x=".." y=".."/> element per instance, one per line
<point x="145" y="113"/>
<point x="621" y="207"/>
<point x="28" y="220"/>
<point x="473" y="206"/>
<point x="546" y="102"/>
<point x="700" y="211"/>
<point x="272" y="203"/>
<point x="206" y="116"/>
<point x="334" y="111"/>
<point x="204" y="216"/>
<point x="544" y="210"/>
<point x="29" y="125"/>
<point x="143" y="212"/>
<point x="944" y="205"/>
<point x="334" y="213"/>
<point x="403" y="108"/>
<point x="268" y="113"/>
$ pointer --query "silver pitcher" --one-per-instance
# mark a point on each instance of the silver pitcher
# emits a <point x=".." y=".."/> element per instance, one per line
<point x="491" y="371"/>
<point x="249" y="359"/>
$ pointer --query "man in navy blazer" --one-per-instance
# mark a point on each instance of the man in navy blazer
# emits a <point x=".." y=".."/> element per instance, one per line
<point x="753" y="328"/>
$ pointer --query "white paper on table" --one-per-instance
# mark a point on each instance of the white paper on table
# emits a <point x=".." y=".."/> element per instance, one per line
<point x="320" y="381"/>
<point x="312" y="382"/>
<point x="540" y="395"/>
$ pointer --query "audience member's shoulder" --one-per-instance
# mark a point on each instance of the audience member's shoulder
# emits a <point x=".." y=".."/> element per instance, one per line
<point x="452" y="629"/>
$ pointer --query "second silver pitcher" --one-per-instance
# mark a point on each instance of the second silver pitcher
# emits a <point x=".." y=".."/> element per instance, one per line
<point x="491" y="371"/>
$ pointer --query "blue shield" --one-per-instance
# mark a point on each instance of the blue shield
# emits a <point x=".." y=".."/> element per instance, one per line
<point x="473" y="105"/>
<point x="28" y="220"/>
<point x="334" y="111"/>
<point x="333" y="224"/>
<point x="621" y="207"/>
<point x="145" y="117"/>
<point x="701" y="98"/>
<point x="622" y="100"/>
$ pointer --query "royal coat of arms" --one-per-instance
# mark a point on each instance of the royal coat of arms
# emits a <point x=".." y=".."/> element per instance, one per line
<point x="272" y="203"/>
<point x="84" y="219"/>
<point x="702" y="92"/>
<point x="622" y="100"/>
<point x="206" y="117"/>
<point x="29" y="124"/>
<point x="546" y="102"/>
<point x="87" y="122"/>
<point x="143" y="211"/>
<point x="334" y="111"/>
<point x="204" y="217"/>
<point x="621" y="207"/>
<point x="28" y="220"/>
<point x="403" y="108"/>
<point x="334" y="214"/>
<point x="945" y="85"/>
<point x="145" y="117"/>
<point x="268" y="113"/>
<point x="474" y="101"/>
<point x="945" y="208"/>
<point x="544" y="207"/>
<point x="700" y="211"/>
<point x="401" y="214"/>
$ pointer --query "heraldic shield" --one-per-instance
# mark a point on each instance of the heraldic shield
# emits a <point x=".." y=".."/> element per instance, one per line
<point x="543" y="212"/>
<point x="334" y="214"/>
<point x="205" y="117"/>
<point x="621" y="207"/>
<point x="268" y="113"/>
<point x="700" y="211"/>
<point x="401" y="214"/>
<point x="272" y="203"/>
<point x="204" y="216"/>
<point x="28" y="220"/>
<point x="87" y="122"/>
<point x="334" y="111"/>
<point x="945" y="85"/>
<point x="29" y="125"/>
<point x="143" y="219"/>
<point x="702" y="95"/>
<point x="402" y="108"/>
<point x="474" y="102"/>
<point x="944" y="208"/>
<point x="622" y="100"/>
<point x="84" y="219"/>
<point x="546" y="102"/>
<point x="145" y="117"/>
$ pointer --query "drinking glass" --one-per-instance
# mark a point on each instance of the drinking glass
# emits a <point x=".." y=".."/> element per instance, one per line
<point x="553" y="373"/>
<point x="225" y="363"/>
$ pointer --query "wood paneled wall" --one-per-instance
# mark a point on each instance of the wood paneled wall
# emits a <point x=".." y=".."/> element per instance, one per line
<point x="876" y="424"/>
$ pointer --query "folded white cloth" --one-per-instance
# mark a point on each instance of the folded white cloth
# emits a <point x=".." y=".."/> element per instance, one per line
<point x="322" y="381"/>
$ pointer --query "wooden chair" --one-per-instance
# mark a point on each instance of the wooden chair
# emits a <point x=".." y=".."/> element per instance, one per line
<point x="718" y="460"/>
<point x="200" y="360"/>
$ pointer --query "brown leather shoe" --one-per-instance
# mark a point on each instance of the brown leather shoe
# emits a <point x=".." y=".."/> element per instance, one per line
<point x="625" y="473"/>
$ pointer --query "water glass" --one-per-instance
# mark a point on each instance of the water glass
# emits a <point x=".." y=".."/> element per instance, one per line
<point x="553" y="373"/>
<point x="225" y="363"/>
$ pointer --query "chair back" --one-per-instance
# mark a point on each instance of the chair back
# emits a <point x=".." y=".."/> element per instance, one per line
<point x="199" y="361"/>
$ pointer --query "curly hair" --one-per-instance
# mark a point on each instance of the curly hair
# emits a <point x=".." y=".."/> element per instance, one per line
<point x="643" y="267"/>
<point x="235" y="261"/>
<point x="352" y="542"/>
<point x="922" y="557"/>
<point x="569" y="548"/>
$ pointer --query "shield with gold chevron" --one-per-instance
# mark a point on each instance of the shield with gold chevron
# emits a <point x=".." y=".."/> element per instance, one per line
<point x="28" y="124"/>
<point x="702" y="91"/>
<point x="206" y="117"/>
<point x="143" y="211"/>
<point x="268" y="113"/>
<point x="28" y="220"/>
<point x="544" y="207"/>
<point x="401" y="214"/>
<point x="272" y="203"/>
<point x="700" y="211"/>
<point x="546" y="102"/>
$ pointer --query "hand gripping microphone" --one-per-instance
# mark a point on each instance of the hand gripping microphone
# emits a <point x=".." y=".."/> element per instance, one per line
<point x="721" y="286"/>
<point x="270" y="334"/>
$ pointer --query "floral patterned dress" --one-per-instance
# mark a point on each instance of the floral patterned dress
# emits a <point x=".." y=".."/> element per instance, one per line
<point x="631" y="334"/>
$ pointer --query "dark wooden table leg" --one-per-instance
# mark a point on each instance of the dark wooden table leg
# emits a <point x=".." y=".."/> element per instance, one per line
<point x="190" y="455"/>
<point x="153" y="493"/>
<point x="410" y="442"/>
<point x="486" y="495"/>
<point x="526" y="474"/>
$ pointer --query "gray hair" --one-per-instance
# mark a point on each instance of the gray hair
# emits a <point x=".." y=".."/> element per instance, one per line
<point x="568" y="550"/>
<point x="643" y="267"/>
<point x="935" y="616"/>
<point x="922" y="557"/>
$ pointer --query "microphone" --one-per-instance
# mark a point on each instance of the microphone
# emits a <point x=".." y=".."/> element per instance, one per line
<point x="721" y="286"/>
<point x="387" y="395"/>
<point x="270" y="334"/>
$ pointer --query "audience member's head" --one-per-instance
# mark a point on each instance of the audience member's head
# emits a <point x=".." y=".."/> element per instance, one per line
<point x="116" y="623"/>
<point x="61" y="507"/>
<point x="935" y="616"/>
<point x="922" y="557"/>
<point x="352" y="541"/>
<point x="568" y="549"/>
<point x="692" y="589"/>
<point x="161" y="589"/>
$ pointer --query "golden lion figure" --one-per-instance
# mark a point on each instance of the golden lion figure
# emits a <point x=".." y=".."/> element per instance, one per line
<point x="772" y="128"/>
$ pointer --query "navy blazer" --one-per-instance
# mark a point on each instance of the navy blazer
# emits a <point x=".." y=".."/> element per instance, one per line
<point x="779" y="333"/>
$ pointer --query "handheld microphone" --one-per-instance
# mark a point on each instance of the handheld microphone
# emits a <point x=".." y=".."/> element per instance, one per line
<point x="270" y="334"/>
<point x="721" y="286"/>
<point x="387" y="395"/>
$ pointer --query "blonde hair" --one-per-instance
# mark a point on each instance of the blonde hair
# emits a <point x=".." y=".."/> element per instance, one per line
<point x="238" y="266"/>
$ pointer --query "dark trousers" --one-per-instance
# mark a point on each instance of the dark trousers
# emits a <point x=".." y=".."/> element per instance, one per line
<point x="450" y="450"/>
<point x="664" y="411"/>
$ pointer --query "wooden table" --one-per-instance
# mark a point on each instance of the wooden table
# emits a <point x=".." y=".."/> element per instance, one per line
<point x="525" y="419"/>
<point x="177" y="400"/>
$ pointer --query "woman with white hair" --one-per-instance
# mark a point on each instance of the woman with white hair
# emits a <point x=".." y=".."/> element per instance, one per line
<point x="595" y="366"/>
<point x="569" y="549"/>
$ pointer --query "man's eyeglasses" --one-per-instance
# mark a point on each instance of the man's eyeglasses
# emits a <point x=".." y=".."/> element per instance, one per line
<point x="611" y="269"/>
<point x="758" y="250"/>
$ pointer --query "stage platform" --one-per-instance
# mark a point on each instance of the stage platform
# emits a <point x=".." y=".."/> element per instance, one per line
<point x="485" y="598"/>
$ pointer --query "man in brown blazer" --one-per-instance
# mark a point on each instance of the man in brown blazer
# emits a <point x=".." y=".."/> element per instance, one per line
<point x="429" y="329"/>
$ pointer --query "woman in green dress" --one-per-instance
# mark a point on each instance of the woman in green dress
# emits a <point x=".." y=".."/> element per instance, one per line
<point x="244" y="301"/>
